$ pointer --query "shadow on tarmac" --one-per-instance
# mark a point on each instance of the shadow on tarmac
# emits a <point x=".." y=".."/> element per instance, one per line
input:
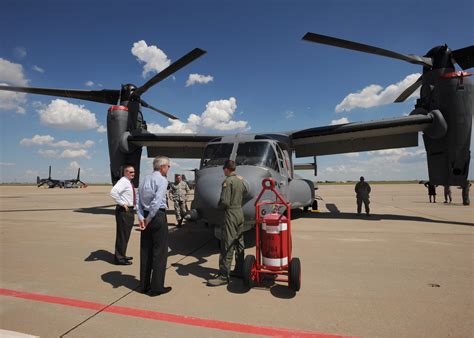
<point x="334" y="213"/>
<point x="118" y="279"/>
<point x="101" y="255"/>
<point x="100" y="210"/>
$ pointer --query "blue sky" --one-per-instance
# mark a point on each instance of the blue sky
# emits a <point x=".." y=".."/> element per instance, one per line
<point x="255" y="56"/>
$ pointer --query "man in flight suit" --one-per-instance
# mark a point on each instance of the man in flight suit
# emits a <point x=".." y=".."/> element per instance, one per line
<point x="362" y="190"/>
<point x="178" y="191"/>
<point x="233" y="191"/>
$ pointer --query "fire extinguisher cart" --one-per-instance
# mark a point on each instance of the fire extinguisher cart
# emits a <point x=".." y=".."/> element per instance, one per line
<point x="273" y="257"/>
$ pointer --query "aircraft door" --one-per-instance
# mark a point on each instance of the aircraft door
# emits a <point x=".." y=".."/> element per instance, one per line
<point x="284" y="175"/>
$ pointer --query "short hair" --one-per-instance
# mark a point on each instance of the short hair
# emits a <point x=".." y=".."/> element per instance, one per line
<point x="362" y="178"/>
<point x="160" y="161"/>
<point x="126" y="167"/>
<point x="229" y="164"/>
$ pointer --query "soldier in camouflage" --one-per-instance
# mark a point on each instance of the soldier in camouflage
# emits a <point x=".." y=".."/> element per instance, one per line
<point x="233" y="191"/>
<point x="178" y="193"/>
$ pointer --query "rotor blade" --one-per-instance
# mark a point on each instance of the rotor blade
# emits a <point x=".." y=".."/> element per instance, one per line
<point x="103" y="96"/>
<point x="146" y="105"/>
<point x="410" y="90"/>
<point x="177" y="65"/>
<point x="464" y="57"/>
<point x="328" y="40"/>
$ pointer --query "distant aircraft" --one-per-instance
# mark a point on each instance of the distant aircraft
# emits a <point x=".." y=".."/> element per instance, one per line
<point x="53" y="183"/>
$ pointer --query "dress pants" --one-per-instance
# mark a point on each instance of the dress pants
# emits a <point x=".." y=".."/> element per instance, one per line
<point x="124" y="220"/>
<point x="154" y="253"/>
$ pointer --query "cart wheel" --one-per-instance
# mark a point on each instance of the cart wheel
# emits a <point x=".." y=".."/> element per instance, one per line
<point x="295" y="274"/>
<point x="249" y="264"/>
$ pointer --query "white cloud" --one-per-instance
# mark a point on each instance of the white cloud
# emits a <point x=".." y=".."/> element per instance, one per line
<point x="217" y="116"/>
<point x="20" y="52"/>
<point x="73" y="166"/>
<point x="92" y="84"/>
<point x="289" y="115"/>
<point x="38" y="69"/>
<point x="50" y="153"/>
<point x="37" y="140"/>
<point x="352" y="155"/>
<point x="49" y="141"/>
<point x="198" y="78"/>
<point x="375" y="95"/>
<point x="340" y="121"/>
<point x="154" y="59"/>
<point x="101" y="129"/>
<point x="12" y="74"/>
<point x="70" y="153"/>
<point x="6" y="164"/>
<point x="62" y="114"/>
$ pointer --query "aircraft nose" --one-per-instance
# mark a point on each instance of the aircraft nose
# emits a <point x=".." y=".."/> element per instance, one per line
<point x="209" y="188"/>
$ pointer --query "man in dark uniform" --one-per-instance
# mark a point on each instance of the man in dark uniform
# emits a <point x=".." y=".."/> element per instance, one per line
<point x="362" y="190"/>
<point x="233" y="191"/>
<point x="154" y="238"/>
<point x="431" y="191"/>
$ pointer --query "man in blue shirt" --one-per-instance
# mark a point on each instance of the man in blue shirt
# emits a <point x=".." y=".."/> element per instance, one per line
<point x="154" y="226"/>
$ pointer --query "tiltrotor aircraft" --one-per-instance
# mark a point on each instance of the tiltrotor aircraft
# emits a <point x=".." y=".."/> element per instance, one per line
<point x="53" y="183"/>
<point x="443" y="113"/>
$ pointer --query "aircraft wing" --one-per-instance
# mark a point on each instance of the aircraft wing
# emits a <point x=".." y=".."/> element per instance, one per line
<point x="172" y="145"/>
<point x="360" y="136"/>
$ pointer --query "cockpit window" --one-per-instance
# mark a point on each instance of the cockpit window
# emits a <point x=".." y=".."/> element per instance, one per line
<point x="216" y="154"/>
<point x="256" y="153"/>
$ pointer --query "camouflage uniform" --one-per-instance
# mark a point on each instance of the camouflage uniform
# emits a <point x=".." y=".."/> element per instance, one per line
<point x="233" y="191"/>
<point x="178" y="193"/>
<point x="362" y="190"/>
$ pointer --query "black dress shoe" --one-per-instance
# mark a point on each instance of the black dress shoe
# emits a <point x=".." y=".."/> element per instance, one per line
<point x="128" y="258"/>
<point x="162" y="292"/>
<point x="123" y="262"/>
<point x="144" y="291"/>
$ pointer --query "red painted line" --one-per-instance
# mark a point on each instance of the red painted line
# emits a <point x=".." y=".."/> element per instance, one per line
<point x="167" y="317"/>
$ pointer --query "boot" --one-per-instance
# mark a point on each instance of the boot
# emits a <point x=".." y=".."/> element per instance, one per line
<point x="220" y="280"/>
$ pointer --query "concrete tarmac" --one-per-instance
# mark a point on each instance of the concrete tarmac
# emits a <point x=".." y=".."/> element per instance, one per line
<point x="405" y="271"/>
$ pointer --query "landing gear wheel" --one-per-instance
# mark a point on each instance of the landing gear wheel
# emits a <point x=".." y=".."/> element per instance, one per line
<point x="306" y="208"/>
<point x="249" y="264"/>
<point x="314" y="206"/>
<point x="295" y="274"/>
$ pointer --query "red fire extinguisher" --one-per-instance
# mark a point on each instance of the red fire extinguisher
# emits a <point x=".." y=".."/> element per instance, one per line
<point x="273" y="257"/>
<point x="274" y="235"/>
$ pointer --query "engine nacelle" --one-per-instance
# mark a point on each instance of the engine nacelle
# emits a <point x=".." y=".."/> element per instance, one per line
<point x="448" y="155"/>
<point x="120" y="152"/>
<point x="301" y="193"/>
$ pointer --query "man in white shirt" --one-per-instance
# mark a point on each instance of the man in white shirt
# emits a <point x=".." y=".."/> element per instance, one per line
<point x="124" y="195"/>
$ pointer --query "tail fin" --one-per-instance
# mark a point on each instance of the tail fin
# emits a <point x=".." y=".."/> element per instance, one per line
<point x="37" y="180"/>
<point x="49" y="172"/>
<point x="78" y="174"/>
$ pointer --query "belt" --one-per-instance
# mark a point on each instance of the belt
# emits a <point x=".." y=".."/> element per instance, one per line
<point x="146" y="212"/>
<point x="121" y="206"/>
